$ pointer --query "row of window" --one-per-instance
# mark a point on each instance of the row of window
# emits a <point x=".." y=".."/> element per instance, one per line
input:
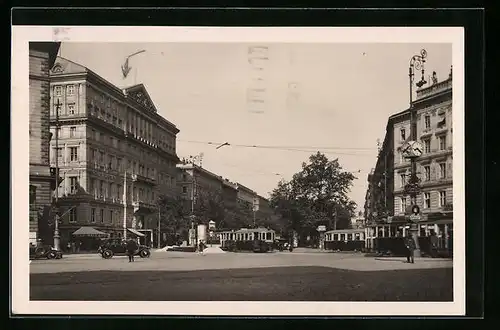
<point x="142" y="128"/>
<point x="69" y="109"/>
<point x="62" y="157"/>
<point x="426" y="196"/>
<point x="130" y="148"/>
<point x="110" y="113"/>
<point x="345" y="237"/>
<point x="104" y="189"/>
<point x="108" y="117"/>
<point x="70" y="90"/>
<point x="442" y="174"/>
<point x="427" y="125"/>
<point x="97" y="215"/>
<point x="247" y="236"/>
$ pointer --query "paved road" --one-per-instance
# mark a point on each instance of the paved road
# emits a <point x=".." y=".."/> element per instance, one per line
<point x="236" y="277"/>
<point x="180" y="261"/>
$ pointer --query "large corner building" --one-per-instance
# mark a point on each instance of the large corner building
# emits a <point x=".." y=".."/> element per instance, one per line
<point x="386" y="202"/>
<point x="116" y="153"/>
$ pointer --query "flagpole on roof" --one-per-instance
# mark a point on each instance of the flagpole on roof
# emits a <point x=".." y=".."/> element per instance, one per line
<point x="126" y="67"/>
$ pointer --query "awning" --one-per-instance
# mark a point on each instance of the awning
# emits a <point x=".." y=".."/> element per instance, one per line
<point x="89" y="231"/>
<point x="135" y="232"/>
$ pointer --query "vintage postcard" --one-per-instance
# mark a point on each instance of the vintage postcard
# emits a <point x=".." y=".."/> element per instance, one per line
<point x="238" y="171"/>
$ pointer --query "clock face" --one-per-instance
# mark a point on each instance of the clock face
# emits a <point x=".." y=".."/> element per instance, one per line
<point x="412" y="149"/>
<point x="417" y="148"/>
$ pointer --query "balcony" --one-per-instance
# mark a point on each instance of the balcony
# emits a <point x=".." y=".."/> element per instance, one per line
<point x="442" y="86"/>
<point x="143" y="207"/>
<point x="436" y="182"/>
<point x="143" y="179"/>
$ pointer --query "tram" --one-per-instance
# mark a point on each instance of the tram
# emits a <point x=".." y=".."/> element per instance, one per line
<point x="243" y="239"/>
<point x="388" y="238"/>
<point x="345" y="240"/>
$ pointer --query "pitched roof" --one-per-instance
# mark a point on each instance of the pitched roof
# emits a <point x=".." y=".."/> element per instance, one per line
<point x="139" y="93"/>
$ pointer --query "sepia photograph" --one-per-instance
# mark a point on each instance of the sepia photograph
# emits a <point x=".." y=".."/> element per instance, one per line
<point x="291" y="170"/>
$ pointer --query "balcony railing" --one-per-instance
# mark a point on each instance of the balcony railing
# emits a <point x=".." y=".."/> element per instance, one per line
<point x="142" y="178"/>
<point x="143" y="204"/>
<point x="434" y="89"/>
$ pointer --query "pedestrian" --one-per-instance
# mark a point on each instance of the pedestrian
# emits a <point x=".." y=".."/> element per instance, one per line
<point x="410" y="249"/>
<point x="131" y="249"/>
<point x="201" y="247"/>
<point x="434" y="244"/>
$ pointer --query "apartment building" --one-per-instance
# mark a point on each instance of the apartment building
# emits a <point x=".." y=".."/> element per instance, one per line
<point x="241" y="204"/>
<point x="435" y="167"/>
<point x="116" y="153"/>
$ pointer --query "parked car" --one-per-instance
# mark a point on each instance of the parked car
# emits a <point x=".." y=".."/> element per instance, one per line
<point x="44" y="252"/>
<point x="113" y="246"/>
<point x="260" y="246"/>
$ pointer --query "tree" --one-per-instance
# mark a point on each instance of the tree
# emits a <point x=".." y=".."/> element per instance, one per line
<point x="318" y="194"/>
<point x="174" y="213"/>
<point x="208" y="206"/>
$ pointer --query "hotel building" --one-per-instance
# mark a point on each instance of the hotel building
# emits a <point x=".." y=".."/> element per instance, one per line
<point x="116" y="153"/>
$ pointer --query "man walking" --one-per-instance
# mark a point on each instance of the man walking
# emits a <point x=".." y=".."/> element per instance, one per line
<point x="410" y="248"/>
<point x="434" y="244"/>
<point x="131" y="248"/>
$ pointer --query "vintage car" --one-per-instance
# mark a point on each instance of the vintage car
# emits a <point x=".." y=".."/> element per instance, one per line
<point x="44" y="252"/>
<point x="115" y="246"/>
<point x="260" y="246"/>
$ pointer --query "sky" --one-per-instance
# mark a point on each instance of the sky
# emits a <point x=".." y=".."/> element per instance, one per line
<point x="329" y="97"/>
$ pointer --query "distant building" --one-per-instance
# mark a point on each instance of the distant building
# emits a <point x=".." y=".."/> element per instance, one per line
<point x="358" y="222"/>
<point x="241" y="204"/>
<point x="379" y="199"/>
<point x="42" y="56"/>
<point x="195" y="182"/>
<point x="116" y="152"/>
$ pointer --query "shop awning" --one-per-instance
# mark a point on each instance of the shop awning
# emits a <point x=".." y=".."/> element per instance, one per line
<point x="135" y="232"/>
<point x="90" y="232"/>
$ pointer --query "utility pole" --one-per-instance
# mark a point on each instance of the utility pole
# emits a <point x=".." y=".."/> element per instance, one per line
<point x="417" y="62"/>
<point x="125" y="205"/>
<point x="159" y="227"/>
<point x="193" y="187"/>
<point x="57" y="237"/>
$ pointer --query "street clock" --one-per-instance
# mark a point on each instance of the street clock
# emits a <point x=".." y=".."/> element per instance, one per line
<point x="412" y="149"/>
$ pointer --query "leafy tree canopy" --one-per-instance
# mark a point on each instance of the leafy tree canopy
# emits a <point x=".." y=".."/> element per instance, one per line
<point x="318" y="194"/>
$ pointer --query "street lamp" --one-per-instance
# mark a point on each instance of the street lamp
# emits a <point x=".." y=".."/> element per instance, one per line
<point x="417" y="63"/>
<point x="57" y="237"/>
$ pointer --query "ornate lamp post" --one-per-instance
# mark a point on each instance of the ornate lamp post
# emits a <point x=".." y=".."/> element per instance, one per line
<point x="57" y="237"/>
<point x="413" y="149"/>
